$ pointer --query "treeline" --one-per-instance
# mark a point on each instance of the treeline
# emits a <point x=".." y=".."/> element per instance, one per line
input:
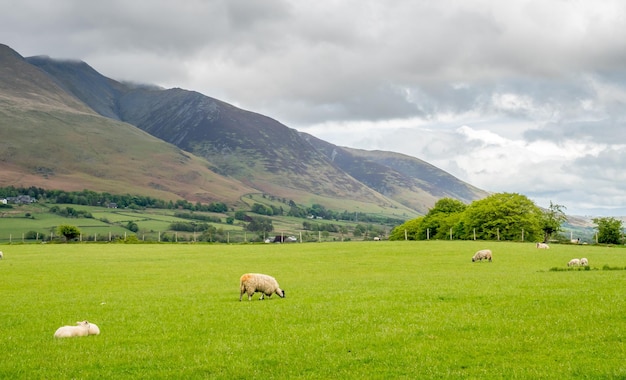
<point x="502" y="216"/>
<point x="92" y="198"/>
<point x="317" y="211"/>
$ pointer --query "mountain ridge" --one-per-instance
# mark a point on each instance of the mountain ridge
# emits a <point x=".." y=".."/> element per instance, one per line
<point x="247" y="150"/>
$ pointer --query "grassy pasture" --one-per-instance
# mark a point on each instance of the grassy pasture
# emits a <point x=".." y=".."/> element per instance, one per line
<point x="352" y="310"/>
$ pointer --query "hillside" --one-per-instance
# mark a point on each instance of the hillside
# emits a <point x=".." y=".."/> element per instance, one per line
<point x="257" y="150"/>
<point x="51" y="139"/>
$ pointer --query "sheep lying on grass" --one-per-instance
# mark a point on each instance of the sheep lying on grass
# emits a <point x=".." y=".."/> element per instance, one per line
<point x="543" y="246"/>
<point x="93" y="329"/>
<point x="251" y="283"/>
<point x="482" y="254"/>
<point x="573" y="263"/>
<point x="70" y="331"/>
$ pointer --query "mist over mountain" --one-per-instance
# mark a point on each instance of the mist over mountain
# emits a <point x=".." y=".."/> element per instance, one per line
<point x="243" y="150"/>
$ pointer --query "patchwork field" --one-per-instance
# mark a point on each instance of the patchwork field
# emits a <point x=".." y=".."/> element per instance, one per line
<point x="352" y="310"/>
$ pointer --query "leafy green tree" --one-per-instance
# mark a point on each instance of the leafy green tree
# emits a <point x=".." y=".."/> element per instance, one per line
<point x="132" y="226"/>
<point x="68" y="231"/>
<point x="260" y="224"/>
<point x="412" y="228"/>
<point x="502" y="215"/>
<point x="609" y="230"/>
<point x="445" y="215"/>
<point x="551" y="220"/>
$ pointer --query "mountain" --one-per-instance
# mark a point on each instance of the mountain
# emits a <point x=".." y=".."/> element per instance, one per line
<point x="411" y="181"/>
<point x="105" y="135"/>
<point x="52" y="139"/>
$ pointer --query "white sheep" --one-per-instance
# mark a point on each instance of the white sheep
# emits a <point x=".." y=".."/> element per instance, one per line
<point x="1" y="255"/>
<point x="543" y="246"/>
<point x="251" y="283"/>
<point x="70" y="331"/>
<point x="482" y="254"/>
<point x="93" y="329"/>
<point x="573" y="263"/>
<point x="584" y="262"/>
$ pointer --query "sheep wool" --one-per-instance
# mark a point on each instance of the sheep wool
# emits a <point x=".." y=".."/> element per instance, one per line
<point x="482" y="254"/>
<point x="93" y="329"/>
<point x="251" y="283"/>
<point x="71" y="331"/>
<point x="573" y="263"/>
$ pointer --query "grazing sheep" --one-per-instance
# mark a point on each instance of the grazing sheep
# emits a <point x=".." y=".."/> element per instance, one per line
<point x="1" y="255"/>
<point x="251" y="283"/>
<point x="543" y="246"/>
<point x="482" y="254"/>
<point x="573" y="263"/>
<point x="584" y="262"/>
<point x="70" y="331"/>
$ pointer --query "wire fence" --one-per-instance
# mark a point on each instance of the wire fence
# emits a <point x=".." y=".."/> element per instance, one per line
<point x="228" y="237"/>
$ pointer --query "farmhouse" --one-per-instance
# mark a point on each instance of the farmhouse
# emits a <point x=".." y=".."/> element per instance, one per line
<point x="20" y="200"/>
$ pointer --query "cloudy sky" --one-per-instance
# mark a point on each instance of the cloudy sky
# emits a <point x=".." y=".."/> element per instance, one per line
<point x="525" y="96"/>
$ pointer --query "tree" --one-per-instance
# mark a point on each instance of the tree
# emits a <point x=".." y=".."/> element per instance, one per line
<point x="609" y="230"/>
<point x="260" y="224"/>
<point x="68" y="231"/>
<point x="132" y="226"/>
<point x="551" y="220"/>
<point x="441" y="218"/>
<point x="411" y="228"/>
<point x="504" y="216"/>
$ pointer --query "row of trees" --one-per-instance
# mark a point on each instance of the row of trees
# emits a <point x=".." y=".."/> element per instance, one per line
<point x="502" y="216"/>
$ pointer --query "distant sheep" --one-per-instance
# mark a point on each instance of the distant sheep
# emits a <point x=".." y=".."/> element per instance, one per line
<point x="482" y="254"/>
<point x="1" y="255"/>
<point x="543" y="246"/>
<point x="573" y="263"/>
<point x="70" y="331"/>
<point x="584" y="262"/>
<point x="251" y="283"/>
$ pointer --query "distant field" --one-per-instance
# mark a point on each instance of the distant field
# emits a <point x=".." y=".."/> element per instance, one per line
<point x="17" y="222"/>
<point x="353" y="310"/>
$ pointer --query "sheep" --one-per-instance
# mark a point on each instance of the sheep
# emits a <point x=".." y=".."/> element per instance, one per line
<point x="93" y="329"/>
<point x="573" y="263"/>
<point x="70" y="331"/>
<point x="1" y="255"/>
<point x="584" y="262"/>
<point x="482" y="254"/>
<point x="251" y="283"/>
<point x="543" y="246"/>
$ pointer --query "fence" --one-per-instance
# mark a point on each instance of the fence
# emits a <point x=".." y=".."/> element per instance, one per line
<point x="229" y="237"/>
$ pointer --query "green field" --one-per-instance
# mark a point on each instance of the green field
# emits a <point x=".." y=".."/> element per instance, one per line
<point x="353" y="310"/>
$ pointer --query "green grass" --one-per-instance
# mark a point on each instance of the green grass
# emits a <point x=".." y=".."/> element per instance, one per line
<point x="352" y="311"/>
